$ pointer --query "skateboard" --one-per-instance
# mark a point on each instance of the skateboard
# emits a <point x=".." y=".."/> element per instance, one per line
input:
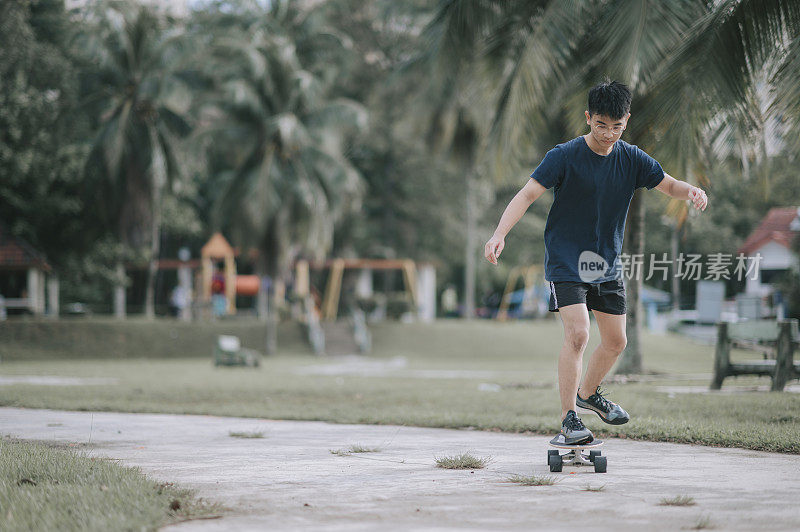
<point x="575" y="455"/>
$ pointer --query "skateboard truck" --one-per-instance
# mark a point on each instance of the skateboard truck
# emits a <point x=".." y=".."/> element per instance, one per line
<point x="575" y="455"/>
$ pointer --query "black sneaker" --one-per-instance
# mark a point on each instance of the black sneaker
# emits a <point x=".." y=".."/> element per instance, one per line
<point x="611" y="413"/>
<point x="573" y="430"/>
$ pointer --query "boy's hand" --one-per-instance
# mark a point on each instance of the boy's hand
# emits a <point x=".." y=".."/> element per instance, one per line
<point x="698" y="198"/>
<point x="493" y="248"/>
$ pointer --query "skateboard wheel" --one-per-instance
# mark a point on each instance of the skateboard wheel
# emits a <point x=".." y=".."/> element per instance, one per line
<point x="600" y="463"/>
<point x="555" y="463"/>
<point x="593" y="454"/>
<point x="551" y="452"/>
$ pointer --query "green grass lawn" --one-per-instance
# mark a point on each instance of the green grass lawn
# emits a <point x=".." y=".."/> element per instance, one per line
<point x="478" y="374"/>
<point x="49" y="486"/>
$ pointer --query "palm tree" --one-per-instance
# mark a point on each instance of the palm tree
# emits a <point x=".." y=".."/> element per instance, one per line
<point x="686" y="96"/>
<point x="453" y="125"/>
<point x="290" y="181"/>
<point x="142" y="106"/>
<point x="689" y="62"/>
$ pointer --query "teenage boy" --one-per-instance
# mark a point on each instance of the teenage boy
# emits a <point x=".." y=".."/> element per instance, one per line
<point x="593" y="178"/>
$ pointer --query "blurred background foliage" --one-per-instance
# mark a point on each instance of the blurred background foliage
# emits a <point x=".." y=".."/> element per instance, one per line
<point x="373" y="128"/>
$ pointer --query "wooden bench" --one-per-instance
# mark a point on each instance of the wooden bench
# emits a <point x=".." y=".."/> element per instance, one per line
<point x="778" y="337"/>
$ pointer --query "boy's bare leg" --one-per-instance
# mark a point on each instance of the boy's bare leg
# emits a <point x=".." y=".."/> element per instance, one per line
<point x="612" y="343"/>
<point x="575" y="319"/>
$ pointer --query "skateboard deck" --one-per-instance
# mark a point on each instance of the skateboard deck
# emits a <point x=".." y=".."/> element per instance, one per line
<point x="559" y="442"/>
<point x="575" y="455"/>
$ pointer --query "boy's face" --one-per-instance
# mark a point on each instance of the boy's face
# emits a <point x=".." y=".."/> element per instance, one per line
<point x="605" y="130"/>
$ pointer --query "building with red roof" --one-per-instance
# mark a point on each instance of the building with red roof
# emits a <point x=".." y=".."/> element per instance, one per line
<point x="24" y="276"/>
<point x="772" y="239"/>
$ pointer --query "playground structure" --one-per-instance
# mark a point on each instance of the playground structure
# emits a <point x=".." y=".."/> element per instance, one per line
<point x="213" y="277"/>
<point x="206" y="272"/>
<point x="330" y="335"/>
<point x="215" y="274"/>
<point x="216" y="249"/>
<point x="419" y="283"/>
<point x="419" y="280"/>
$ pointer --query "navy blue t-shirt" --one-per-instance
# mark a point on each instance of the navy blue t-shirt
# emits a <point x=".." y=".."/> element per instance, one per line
<point x="592" y="193"/>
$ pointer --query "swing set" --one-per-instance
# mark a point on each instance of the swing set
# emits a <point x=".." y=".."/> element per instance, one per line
<point x="329" y="306"/>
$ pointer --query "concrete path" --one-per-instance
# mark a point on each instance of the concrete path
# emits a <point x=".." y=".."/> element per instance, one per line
<point x="289" y="480"/>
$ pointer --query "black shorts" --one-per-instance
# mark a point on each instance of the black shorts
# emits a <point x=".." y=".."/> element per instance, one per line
<point x="608" y="297"/>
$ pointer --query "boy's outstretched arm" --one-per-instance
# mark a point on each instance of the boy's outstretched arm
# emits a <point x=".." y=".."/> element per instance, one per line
<point x="516" y="208"/>
<point x="683" y="190"/>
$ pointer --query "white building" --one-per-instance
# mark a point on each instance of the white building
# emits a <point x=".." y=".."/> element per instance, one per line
<point x="773" y="240"/>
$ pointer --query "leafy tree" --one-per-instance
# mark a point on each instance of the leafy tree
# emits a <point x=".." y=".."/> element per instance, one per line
<point x="142" y="104"/>
<point x="414" y="198"/>
<point x="544" y="61"/>
<point x="42" y="144"/>
<point x="288" y="181"/>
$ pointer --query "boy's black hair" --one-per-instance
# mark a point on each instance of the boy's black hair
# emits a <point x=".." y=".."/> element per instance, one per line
<point x="611" y="99"/>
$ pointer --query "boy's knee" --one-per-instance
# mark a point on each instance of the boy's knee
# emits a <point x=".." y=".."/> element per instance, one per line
<point x="577" y="338"/>
<point x="616" y="344"/>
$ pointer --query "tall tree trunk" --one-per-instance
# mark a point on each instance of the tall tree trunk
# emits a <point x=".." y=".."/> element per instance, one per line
<point x="389" y="230"/>
<point x="676" y="281"/>
<point x="631" y="360"/>
<point x="133" y="227"/>
<point x="469" y="249"/>
<point x="744" y="158"/>
<point x="158" y="180"/>
<point x="271" y="345"/>
<point x="261" y="298"/>
<point x="152" y="266"/>
<point x="275" y="247"/>
<point x="265" y="307"/>
<point x="119" y="291"/>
